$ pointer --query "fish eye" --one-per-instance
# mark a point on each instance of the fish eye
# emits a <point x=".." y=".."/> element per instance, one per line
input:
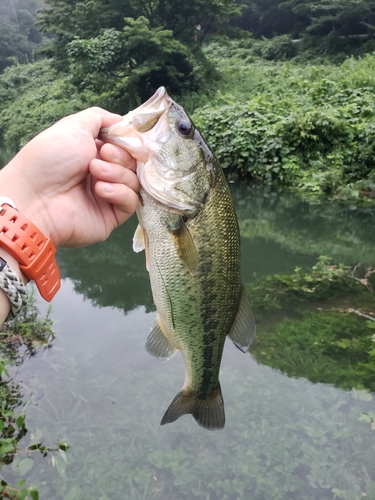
<point x="184" y="127"/>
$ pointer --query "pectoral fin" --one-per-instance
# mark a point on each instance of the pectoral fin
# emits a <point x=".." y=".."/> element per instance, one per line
<point x="140" y="242"/>
<point x="138" y="239"/>
<point x="243" y="329"/>
<point x="158" y="344"/>
<point x="185" y="246"/>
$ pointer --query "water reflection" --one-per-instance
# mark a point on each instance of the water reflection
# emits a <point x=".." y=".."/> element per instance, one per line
<point x="305" y="228"/>
<point x="110" y="273"/>
<point x="279" y="232"/>
<point x="285" y="438"/>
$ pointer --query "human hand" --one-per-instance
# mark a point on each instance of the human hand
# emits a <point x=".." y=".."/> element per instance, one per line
<point x="71" y="186"/>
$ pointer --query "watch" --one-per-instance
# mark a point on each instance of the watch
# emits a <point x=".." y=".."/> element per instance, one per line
<point x="34" y="251"/>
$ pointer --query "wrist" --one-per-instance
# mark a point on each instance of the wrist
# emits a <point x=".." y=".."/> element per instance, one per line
<point x="14" y="185"/>
<point x="34" y="252"/>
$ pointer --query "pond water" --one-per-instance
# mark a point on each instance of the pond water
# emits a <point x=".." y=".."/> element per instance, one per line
<point x="286" y="438"/>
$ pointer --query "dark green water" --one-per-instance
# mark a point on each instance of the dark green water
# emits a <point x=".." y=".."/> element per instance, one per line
<point x="285" y="438"/>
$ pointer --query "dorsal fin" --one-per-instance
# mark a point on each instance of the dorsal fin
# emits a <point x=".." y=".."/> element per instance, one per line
<point x="243" y="330"/>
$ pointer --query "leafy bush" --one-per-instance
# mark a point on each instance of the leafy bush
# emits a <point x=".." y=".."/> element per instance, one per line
<point x="33" y="97"/>
<point x="279" y="48"/>
<point x="309" y="126"/>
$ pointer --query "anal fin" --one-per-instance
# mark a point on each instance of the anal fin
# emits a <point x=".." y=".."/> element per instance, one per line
<point x="158" y="344"/>
<point x="243" y="330"/>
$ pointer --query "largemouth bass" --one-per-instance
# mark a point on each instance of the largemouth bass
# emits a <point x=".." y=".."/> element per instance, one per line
<point x="188" y="228"/>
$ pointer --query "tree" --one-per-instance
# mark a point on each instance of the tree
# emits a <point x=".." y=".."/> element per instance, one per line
<point x="18" y="34"/>
<point x="344" y="17"/>
<point x="182" y="17"/>
<point x="126" y="67"/>
<point x="85" y="18"/>
<point x="125" y="59"/>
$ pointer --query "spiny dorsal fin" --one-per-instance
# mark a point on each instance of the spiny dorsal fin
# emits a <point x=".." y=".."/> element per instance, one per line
<point x="158" y="345"/>
<point x="243" y="329"/>
<point x="185" y="246"/>
<point x="208" y="412"/>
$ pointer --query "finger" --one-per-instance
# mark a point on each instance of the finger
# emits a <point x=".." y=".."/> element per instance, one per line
<point x="93" y="119"/>
<point x="123" y="199"/>
<point x="113" y="173"/>
<point x="114" y="154"/>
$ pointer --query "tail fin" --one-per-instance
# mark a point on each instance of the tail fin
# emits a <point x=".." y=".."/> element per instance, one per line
<point x="208" y="412"/>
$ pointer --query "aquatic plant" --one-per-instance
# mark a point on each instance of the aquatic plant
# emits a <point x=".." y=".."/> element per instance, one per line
<point x="20" y="338"/>
<point x="322" y="281"/>
<point x="326" y="331"/>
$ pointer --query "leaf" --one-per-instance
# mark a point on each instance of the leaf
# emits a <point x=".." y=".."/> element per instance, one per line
<point x="36" y="437"/>
<point x="25" y="464"/>
<point x="60" y="463"/>
<point x="365" y="418"/>
<point x="362" y="395"/>
<point x="7" y="448"/>
<point x="20" y="420"/>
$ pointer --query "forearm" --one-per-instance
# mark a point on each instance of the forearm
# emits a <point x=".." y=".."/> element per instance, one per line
<point x="11" y="186"/>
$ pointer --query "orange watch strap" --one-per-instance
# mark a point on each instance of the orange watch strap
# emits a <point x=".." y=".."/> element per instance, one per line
<point x="35" y="253"/>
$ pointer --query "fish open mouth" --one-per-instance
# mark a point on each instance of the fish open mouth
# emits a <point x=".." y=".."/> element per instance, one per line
<point x="141" y="119"/>
<point x="153" y="102"/>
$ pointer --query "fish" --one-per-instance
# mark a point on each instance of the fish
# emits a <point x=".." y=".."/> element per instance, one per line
<point x="189" y="230"/>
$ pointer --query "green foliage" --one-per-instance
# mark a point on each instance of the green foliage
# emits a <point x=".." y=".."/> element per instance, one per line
<point x="332" y="343"/>
<point x="33" y="97"/>
<point x="18" y="34"/>
<point x="344" y="16"/>
<point x="308" y="126"/>
<point x="28" y="330"/>
<point x="323" y="346"/>
<point x="20" y="338"/>
<point x="283" y="290"/>
<point x="280" y="48"/>
<point x="86" y="19"/>
<point x="123" y="51"/>
<point x="126" y="67"/>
